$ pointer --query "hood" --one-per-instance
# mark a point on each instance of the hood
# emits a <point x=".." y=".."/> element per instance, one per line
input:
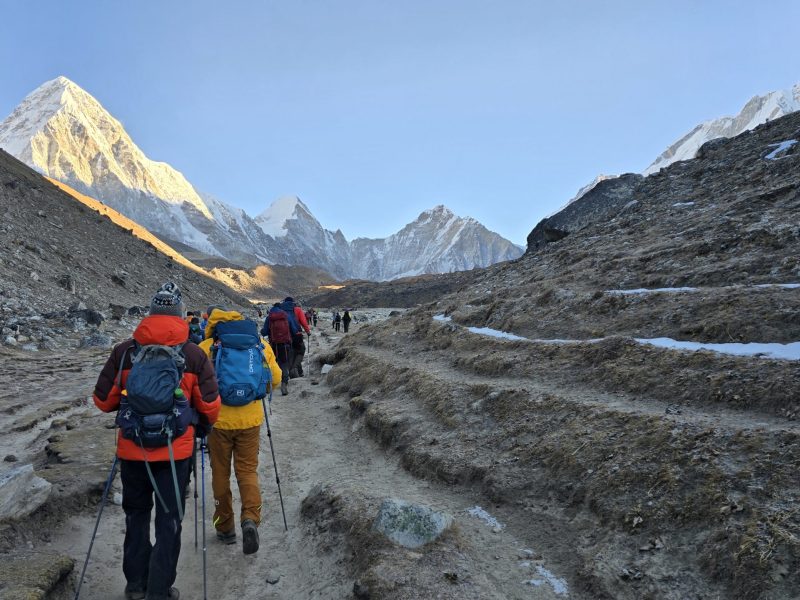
<point x="288" y="306"/>
<point x="276" y="309"/>
<point x="221" y="316"/>
<point x="165" y="330"/>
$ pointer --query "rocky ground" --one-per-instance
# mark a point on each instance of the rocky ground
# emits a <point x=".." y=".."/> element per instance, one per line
<point x="334" y="479"/>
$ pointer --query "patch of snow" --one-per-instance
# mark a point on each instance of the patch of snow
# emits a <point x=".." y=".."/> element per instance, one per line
<point x="780" y="148"/>
<point x="442" y="318"/>
<point x="495" y="333"/>
<point x="787" y="286"/>
<point x="559" y="585"/>
<point x="683" y="204"/>
<point x="790" y="351"/>
<point x="640" y="291"/>
<point x="477" y="511"/>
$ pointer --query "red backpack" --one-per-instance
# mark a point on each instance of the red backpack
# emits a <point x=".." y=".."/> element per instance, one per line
<point x="279" y="332"/>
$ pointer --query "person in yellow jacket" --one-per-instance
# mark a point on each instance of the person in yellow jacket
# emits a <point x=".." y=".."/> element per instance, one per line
<point x="236" y="435"/>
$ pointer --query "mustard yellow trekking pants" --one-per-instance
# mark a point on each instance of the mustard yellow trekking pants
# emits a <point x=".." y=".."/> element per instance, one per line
<point x="242" y="445"/>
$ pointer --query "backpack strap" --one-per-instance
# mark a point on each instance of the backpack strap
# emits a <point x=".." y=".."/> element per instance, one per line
<point x="122" y="363"/>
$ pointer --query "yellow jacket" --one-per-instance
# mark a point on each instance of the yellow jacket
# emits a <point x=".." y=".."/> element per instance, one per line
<point x="250" y="415"/>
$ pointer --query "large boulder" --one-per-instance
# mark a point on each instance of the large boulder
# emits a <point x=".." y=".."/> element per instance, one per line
<point x="410" y="525"/>
<point x="21" y="492"/>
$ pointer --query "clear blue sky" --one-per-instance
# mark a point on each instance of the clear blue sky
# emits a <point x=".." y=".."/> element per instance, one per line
<point x="372" y="111"/>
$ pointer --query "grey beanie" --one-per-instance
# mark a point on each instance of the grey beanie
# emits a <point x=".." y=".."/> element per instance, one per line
<point x="167" y="301"/>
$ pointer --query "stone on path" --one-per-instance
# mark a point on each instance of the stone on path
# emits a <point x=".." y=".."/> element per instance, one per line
<point x="410" y="525"/>
<point x="21" y="492"/>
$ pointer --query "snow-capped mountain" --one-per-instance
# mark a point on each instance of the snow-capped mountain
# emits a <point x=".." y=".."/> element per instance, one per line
<point x="438" y="241"/>
<point x="62" y="131"/>
<point x="758" y="110"/>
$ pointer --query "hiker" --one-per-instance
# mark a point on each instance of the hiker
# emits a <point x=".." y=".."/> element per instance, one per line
<point x="195" y="333"/>
<point x="314" y="316"/>
<point x="230" y="342"/>
<point x="346" y="318"/>
<point x="189" y="316"/>
<point x="278" y="330"/>
<point x="203" y="324"/>
<point x="151" y="463"/>
<point x="293" y="310"/>
<point x="337" y="321"/>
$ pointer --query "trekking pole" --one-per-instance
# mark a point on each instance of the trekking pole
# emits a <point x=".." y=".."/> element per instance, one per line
<point x="194" y="476"/>
<point x="97" y="522"/>
<point x="203" y="485"/>
<point x="274" y="464"/>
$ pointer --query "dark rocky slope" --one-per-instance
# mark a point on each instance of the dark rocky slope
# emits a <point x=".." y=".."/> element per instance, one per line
<point x="654" y="473"/>
<point x="64" y="265"/>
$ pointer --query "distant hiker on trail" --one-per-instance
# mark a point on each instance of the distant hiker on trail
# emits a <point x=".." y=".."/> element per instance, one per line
<point x="189" y="316"/>
<point x="195" y="332"/>
<point x="204" y="323"/>
<point x="337" y="321"/>
<point x="231" y="341"/>
<point x="314" y="316"/>
<point x="278" y="330"/>
<point x="346" y="318"/>
<point x="158" y="373"/>
<point x="298" y="343"/>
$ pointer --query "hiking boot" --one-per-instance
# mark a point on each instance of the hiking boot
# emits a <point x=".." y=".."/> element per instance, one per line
<point x="249" y="537"/>
<point x="227" y="537"/>
<point x="134" y="592"/>
<point x="172" y="594"/>
<point x="284" y="387"/>
<point x="293" y="374"/>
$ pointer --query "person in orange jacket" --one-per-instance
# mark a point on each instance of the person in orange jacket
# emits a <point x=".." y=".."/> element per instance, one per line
<point x="237" y="437"/>
<point x="149" y="569"/>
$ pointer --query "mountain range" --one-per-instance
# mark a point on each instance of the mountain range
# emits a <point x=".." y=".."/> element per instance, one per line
<point x="62" y="131"/>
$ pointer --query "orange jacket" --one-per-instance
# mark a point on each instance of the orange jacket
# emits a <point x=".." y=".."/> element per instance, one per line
<point x="301" y="318"/>
<point x="199" y="384"/>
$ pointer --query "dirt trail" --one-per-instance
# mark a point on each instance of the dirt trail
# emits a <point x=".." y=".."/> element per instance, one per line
<point x="316" y="443"/>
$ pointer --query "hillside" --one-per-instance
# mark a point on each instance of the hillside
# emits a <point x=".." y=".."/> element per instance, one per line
<point x="63" y="254"/>
<point x="557" y="386"/>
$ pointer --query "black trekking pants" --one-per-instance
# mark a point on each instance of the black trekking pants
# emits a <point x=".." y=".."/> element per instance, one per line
<point x="299" y="348"/>
<point x="284" y="355"/>
<point x="146" y="566"/>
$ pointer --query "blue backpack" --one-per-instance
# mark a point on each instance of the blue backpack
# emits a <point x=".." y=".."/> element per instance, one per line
<point x="238" y="354"/>
<point x="154" y="411"/>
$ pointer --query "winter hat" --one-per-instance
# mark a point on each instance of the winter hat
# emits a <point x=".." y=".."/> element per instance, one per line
<point x="288" y="299"/>
<point x="167" y="301"/>
<point x="214" y="307"/>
